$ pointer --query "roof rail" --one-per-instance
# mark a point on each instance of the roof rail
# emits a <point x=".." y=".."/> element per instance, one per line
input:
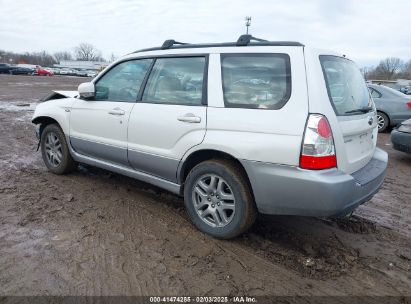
<point x="169" y="43"/>
<point x="244" y="40"/>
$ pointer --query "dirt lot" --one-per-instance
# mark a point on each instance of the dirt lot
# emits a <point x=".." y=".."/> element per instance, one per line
<point x="97" y="233"/>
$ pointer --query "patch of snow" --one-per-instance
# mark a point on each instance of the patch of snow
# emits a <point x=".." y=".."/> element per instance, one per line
<point x="17" y="106"/>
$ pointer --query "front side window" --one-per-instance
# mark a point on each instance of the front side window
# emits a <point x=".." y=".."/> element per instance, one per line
<point x="346" y="86"/>
<point x="176" y="81"/>
<point x="256" y="81"/>
<point x="122" y="82"/>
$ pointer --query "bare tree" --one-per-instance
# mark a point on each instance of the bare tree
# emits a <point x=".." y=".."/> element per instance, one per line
<point x="388" y="68"/>
<point x="406" y="70"/>
<point x="64" y="55"/>
<point x="365" y="71"/>
<point x="112" y="57"/>
<point x="39" y="58"/>
<point x="87" y="52"/>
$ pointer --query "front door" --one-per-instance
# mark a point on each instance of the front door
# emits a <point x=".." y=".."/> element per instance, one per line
<point x="98" y="127"/>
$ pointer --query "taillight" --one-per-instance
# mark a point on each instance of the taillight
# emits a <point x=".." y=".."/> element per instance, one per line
<point x="318" y="151"/>
<point x="409" y="104"/>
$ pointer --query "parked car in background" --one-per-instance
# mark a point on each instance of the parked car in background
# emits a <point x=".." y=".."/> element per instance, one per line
<point x="63" y="71"/>
<point x="43" y="72"/>
<point x="401" y="137"/>
<point x="25" y="65"/>
<point x="91" y="73"/>
<point x="56" y="71"/>
<point x="80" y="73"/>
<point x="67" y="72"/>
<point x="22" y="71"/>
<point x="406" y="90"/>
<point x="6" y="68"/>
<point x="236" y="128"/>
<point x="393" y="107"/>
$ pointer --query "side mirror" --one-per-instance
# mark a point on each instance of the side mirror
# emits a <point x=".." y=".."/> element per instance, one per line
<point x="86" y="90"/>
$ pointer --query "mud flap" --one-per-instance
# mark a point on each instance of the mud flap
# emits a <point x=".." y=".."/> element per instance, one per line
<point x="38" y="135"/>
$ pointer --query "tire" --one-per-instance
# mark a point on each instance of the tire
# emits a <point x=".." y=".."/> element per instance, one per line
<point x="222" y="218"/>
<point x="55" y="151"/>
<point x="383" y="122"/>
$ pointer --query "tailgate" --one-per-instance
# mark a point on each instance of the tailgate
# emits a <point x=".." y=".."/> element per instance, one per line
<point x="359" y="140"/>
<point x="355" y="112"/>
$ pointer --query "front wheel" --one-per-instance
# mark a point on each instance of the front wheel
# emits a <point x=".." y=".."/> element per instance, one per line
<point x="55" y="151"/>
<point x="218" y="199"/>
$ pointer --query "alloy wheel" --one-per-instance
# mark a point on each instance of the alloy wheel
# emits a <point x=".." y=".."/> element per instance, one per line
<point x="213" y="200"/>
<point x="380" y="121"/>
<point x="54" y="151"/>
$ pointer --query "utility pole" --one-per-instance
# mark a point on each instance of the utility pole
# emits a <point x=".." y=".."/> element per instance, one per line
<point x="247" y="22"/>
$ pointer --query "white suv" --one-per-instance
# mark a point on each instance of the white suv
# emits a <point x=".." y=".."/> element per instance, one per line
<point x="237" y="128"/>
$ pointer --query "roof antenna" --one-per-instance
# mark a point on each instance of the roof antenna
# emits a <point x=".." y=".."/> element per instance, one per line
<point x="247" y="22"/>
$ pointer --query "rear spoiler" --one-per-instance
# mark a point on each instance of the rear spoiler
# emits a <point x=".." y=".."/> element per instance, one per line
<point x="59" y="95"/>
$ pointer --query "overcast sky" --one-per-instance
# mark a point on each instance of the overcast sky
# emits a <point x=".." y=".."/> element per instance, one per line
<point x="365" y="31"/>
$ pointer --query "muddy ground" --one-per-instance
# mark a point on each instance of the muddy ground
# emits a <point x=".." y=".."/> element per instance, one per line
<point x="97" y="233"/>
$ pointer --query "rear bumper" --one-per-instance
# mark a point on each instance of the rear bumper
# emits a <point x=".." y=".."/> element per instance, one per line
<point x="401" y="141"/>
<point x="294" y="191"/>
<point x="398" y="119"/>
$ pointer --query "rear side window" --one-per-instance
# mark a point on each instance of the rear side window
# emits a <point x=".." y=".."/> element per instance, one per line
<point x="256" y="81"/>
<point x="375" y="93"/>
<point x="176" y="81"/>
<point x="345" y="85"/>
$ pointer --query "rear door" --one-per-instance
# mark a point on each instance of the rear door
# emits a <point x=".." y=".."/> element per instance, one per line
<point x="170" y="117"/>
<point x="355" y="131"/>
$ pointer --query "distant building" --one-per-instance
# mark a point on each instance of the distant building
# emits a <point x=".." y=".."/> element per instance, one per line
<point x="82" y="65"/>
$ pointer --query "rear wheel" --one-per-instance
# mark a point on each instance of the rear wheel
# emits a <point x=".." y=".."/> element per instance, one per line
<point x="218" y="199"/>
<point x="55" y="151"/>
<point x="383" y="122"/>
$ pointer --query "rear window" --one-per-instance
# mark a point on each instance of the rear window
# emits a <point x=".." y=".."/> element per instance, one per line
<point x="345" y="85"/>
<point x="256" y="81"/>
<point x="395" y="92"/>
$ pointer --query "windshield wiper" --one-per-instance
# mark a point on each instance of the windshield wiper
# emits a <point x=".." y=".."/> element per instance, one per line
<point x="361" y="110"/>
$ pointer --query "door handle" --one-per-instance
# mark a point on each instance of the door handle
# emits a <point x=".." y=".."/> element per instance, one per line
<point x="189" y="117"/>
<point x="116" y="111"/>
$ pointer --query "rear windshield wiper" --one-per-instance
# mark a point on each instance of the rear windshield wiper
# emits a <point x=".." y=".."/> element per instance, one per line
<point x="361" y="110"/>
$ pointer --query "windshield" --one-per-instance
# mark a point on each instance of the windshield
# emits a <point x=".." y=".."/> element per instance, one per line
<point x="346" y="86"/>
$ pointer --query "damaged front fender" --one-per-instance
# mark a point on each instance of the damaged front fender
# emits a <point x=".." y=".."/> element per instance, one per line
<point x="59" y="95"/>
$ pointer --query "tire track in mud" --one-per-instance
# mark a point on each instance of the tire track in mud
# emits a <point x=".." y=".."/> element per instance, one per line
<point x="100" y="259"/>
<point x="137" y="220"/>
